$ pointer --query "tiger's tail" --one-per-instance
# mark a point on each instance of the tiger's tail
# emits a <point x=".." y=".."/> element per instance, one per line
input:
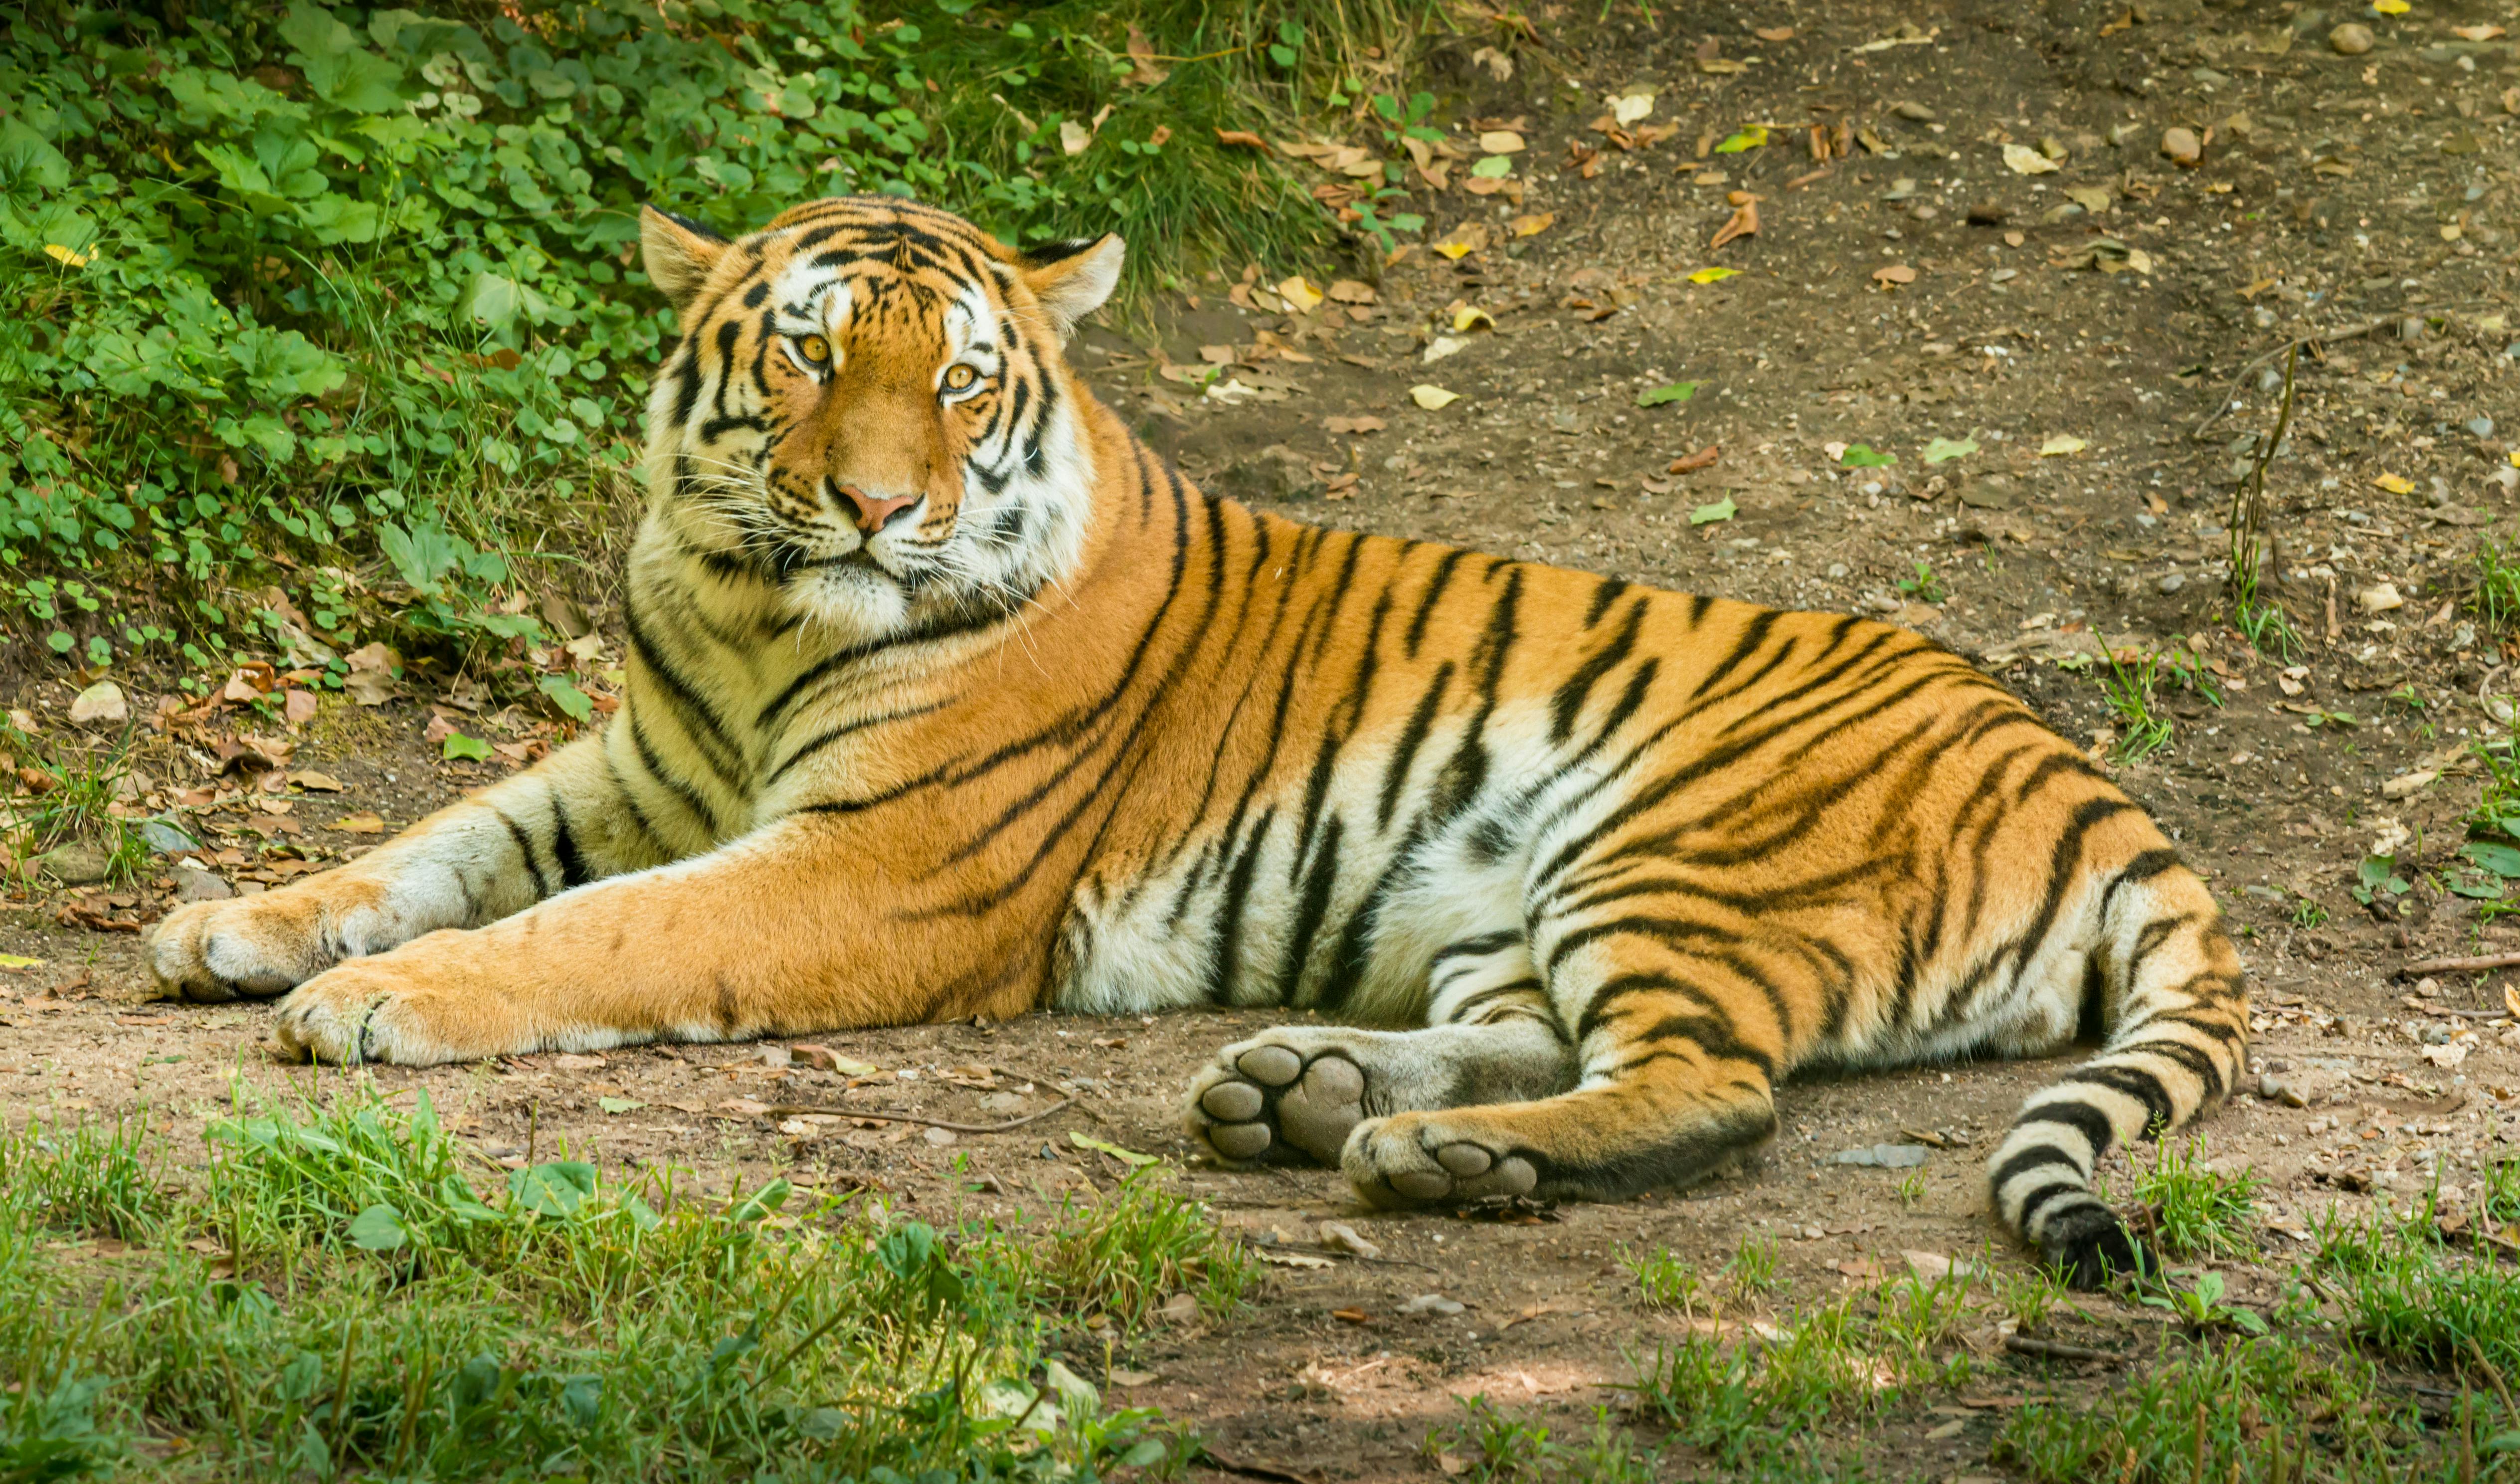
<point x="2175" y="1011"/>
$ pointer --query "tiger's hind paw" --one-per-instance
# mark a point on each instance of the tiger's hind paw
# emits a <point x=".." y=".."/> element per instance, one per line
<point x="1267" y="1102"/>
<point x="1420" y="1160"/>
<point x="2089" y="1246"/>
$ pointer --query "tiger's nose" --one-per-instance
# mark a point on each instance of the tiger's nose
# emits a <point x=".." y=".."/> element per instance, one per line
<point x="872" y="513"/>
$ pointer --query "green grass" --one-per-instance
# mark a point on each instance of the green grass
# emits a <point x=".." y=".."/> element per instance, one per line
<point x="2387" y="1357"/>
<point x="54" y="793"/>
<point x="1665" y="1282"/>
<point x="1752" y="1269"/>
<point x="2198" y="1212"/>
<point x="2132" y="688"/>
<point x="348" y="1291"/>
<point x="2496" y="602"/>
<point x="2414" y="1300"/>
<point x="1491" y="1446"/>
<point x="2256" y="1411"/>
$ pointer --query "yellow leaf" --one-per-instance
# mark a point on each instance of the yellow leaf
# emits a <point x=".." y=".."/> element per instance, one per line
<point x="1465" y="239"/>
<point x="2061" y="443"/>
<point x="2515" y="458"/>
<point x="2391" y="7"/>
<point x="1300" y="294"/>
<point x="18" y="960"/>
<point x="70" y="257"/>
<point x="1627" y="108"/>
<point x="1432" y="398"/>
<point x="2396" y="485"/>
<point x="1533" y="225"/>
<point x="1712" y="275"/>
<point x="1473" y="317"/>
<point x="2026" y="160"/>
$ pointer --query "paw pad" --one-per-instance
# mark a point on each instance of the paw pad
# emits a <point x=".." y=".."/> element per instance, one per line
<point x="1268" y="1099"/>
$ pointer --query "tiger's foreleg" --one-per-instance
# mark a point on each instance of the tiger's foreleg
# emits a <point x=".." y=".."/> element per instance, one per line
<point x="567" y="821"/>
<point x="792" y="928"/>
<point x="1298" y="1093"/>
<point x="1675" y="1060"/>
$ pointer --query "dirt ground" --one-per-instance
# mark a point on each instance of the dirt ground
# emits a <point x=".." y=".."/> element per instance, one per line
<point x="1915" y="287"/>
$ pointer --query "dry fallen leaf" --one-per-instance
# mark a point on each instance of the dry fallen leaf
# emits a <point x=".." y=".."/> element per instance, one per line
<point x="1627" y="108"/>
<point x="1469" y="317"/>
<point x="1502" y="142"/>
<point x="1894" y="275"/>
<point x="1242" y="138"/>
<point x="1432" y="398"/>
<point x="1355" y="425"/>
<point x="365" y="821"/>
<point x="320" y="783"/>
<point x="2026" y="160"/>
<point x="1688" y="462"/>
<point x="1467" y="238"/>
<point x="1534" y="224"/>
<point x="1743" y="223"/>
<point x="1348" y="290"/>
<point x="1299" y="291"/>
<point x="2396" y="485"/>
<point x="1073" y="137"/>
<point x="2061" y="443"/>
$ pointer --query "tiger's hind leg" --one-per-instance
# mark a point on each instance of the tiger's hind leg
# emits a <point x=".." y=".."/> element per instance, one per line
<point x="1296" y="1093"/>
<point x="2174" y="1008"/>
<point x="1676" y="1053"/>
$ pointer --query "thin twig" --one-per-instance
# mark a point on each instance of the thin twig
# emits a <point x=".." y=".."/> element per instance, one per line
<point x="2486" y="964"/>
<point x="2055" y="1350"/>
<point x="2493" y="1376"/>
<point x="887" y="1116"/>
<point x="2248" y="516"/>
<point x="2222" y="403"/>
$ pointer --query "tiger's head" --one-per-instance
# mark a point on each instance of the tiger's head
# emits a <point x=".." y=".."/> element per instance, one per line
<point x="869" y="411"/>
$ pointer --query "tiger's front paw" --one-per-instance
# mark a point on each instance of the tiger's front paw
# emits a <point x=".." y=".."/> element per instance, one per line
<point x="392" y="1008"/>
<point x="257" y="947"/>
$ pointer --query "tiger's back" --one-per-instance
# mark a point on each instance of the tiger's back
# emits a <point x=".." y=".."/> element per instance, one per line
<point x="948" y="698"/>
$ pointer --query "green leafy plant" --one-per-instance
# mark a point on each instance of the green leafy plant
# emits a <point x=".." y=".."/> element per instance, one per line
<point x="360" y="289"/>
<point x="1925" y="586"/>
<point x="2377" y="880"/>
<point x="2199" y="1307"/>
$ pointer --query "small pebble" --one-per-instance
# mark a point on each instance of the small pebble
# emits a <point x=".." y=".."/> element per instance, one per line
<point x="2483" y="428"/>
<point x="2172" y="583"/>
<point x="2352" y="39"/>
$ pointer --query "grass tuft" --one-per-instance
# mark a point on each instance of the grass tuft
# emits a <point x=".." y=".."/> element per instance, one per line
<point x="2196" y="1211"/>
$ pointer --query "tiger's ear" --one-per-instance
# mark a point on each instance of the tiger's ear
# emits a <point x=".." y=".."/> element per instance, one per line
<point x="678" y="254"/>
<point x="1072" y="279"/>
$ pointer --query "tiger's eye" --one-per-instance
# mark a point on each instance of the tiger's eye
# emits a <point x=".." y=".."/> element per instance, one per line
<point x="958" y="377"/>
<point x="814" y="349"/>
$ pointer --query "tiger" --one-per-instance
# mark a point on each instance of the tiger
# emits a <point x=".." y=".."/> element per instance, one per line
<point x="946" y="698"/>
